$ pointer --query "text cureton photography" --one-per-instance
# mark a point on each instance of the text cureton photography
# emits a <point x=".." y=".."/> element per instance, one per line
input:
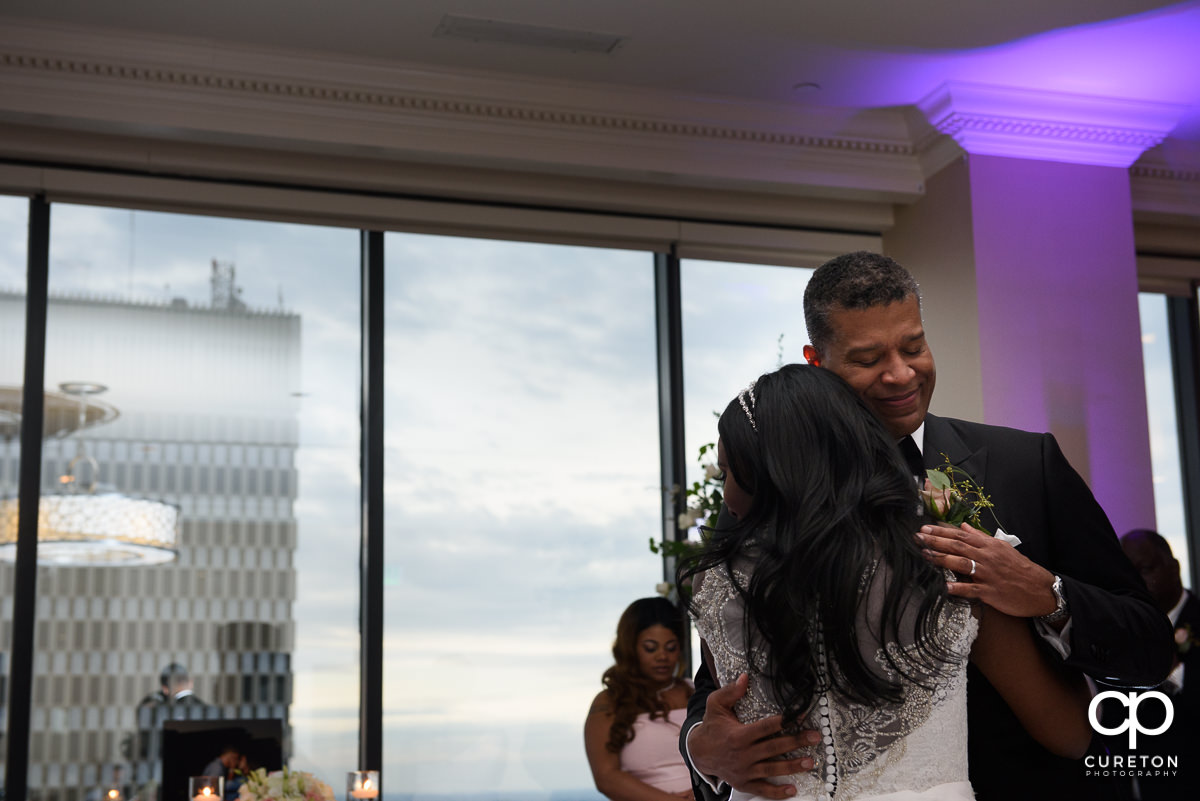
<point x="1131" y="765"/>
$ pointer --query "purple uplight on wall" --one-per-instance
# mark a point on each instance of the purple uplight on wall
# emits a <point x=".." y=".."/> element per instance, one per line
<point x="1151" y="57"/>
<point x="1045" y="233"/>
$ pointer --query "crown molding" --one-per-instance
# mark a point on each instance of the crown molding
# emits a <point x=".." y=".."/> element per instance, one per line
<point x="281" y="167"/>
<point x="934" y="150"/>
<point x="1054" y="126"/>
<point x="183" y="93"/>
<point x="205" y="92"/>
<point x="1165" y="185"/>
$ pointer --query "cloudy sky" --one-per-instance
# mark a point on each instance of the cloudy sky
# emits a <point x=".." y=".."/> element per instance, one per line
<point x="521" y="448"/>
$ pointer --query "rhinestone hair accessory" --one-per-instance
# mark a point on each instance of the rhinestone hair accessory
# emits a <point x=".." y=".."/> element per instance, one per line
<point x="748" y="408"/>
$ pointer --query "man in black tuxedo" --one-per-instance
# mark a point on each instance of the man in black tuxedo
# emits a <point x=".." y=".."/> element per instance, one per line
<point x="1068" y="575"/>
<point x="1151" y="555"/>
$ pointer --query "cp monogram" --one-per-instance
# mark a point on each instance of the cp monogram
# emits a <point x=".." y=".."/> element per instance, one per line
<point x="1131" y="700"/>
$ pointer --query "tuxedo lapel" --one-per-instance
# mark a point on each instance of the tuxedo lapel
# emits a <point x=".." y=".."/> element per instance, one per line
<point x="941" y="439"/>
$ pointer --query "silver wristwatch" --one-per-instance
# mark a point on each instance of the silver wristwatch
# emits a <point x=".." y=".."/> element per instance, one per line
<point x="1060" y="600"/>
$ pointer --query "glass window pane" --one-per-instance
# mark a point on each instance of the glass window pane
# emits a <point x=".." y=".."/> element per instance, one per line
<point x="14" y="242"/>
<point x="1164" y="431"/>
<point x="522" y="475"/>
<point x="215" y="339"/>
<point x="739" y="321"/>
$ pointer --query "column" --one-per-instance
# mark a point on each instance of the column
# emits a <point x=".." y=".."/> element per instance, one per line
<point x="1023" y="244"/>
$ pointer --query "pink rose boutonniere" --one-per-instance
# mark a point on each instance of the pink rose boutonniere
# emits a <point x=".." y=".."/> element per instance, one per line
<point x="1185" y="640"/>
<point x="953" y="497"/>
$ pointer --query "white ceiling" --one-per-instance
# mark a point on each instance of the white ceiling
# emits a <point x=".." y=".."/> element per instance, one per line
<point x="860" y="53"/>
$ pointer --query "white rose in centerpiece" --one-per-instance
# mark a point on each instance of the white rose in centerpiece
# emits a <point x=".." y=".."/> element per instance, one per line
<point x="284" y="785"/>
<point x="712" y="471"/>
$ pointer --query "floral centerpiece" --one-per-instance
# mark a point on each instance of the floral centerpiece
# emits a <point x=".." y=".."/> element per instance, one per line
<point x="284" y="785"/>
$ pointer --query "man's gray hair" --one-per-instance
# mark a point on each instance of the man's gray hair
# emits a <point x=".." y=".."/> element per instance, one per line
<point x="857" y="280"/>
<point x="174" y="676"/>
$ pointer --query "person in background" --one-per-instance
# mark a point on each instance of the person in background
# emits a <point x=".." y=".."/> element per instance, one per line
<point x="174" y="699"/>
<point x="1151" y="554"/>
<point x="183" y="703"/>
<point x="151" y="711"/>
<point x="163" y="693"/>
<point x="631" y="733"/>
<point x="224" y="764"/>
<point x="156" y="706"/>
<point x="177" y="684"/>
<point x="237" y="778"/>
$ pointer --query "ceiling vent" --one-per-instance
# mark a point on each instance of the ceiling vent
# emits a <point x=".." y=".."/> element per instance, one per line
<point x="496" y="31"/>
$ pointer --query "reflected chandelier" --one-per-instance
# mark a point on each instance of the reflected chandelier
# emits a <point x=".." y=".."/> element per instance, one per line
<point x="81" y="526"/>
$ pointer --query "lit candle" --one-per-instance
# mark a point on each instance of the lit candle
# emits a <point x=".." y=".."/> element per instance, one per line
<point x="365" y="791"/>
<point x="205" y="788"/>
<point x="363" y="787"/>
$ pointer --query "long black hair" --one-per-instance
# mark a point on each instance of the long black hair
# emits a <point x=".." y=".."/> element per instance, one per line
<point x="832" y="504"/>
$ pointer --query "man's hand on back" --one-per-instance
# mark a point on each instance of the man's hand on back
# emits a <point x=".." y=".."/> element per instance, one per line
<point x="743" y="756"/>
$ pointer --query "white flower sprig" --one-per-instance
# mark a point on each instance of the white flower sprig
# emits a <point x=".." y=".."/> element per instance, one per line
<point x="702" y="508"/>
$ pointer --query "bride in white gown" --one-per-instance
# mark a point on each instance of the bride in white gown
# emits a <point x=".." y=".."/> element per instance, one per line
<point x="820" y="594"/>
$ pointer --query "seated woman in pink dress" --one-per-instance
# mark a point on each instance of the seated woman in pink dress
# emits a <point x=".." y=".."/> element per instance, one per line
<point x="632" y="730"/>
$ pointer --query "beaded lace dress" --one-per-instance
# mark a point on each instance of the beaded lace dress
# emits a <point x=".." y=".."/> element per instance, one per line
<point x="912" y="749"/>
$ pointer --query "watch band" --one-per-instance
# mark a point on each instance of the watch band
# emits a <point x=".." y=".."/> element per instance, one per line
<point x="1060" y="610"/>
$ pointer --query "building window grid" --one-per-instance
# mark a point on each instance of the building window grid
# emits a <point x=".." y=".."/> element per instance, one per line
<point x="62" y="690"/>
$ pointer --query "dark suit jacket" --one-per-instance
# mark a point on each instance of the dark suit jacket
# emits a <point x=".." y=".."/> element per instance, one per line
<point x="1182" y="737"/>
<point x="1116" y="631"/>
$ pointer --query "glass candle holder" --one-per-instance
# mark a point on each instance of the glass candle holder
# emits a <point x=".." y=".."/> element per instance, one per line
<point x="362" y="784"/>
<point x="206" y="788"/>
